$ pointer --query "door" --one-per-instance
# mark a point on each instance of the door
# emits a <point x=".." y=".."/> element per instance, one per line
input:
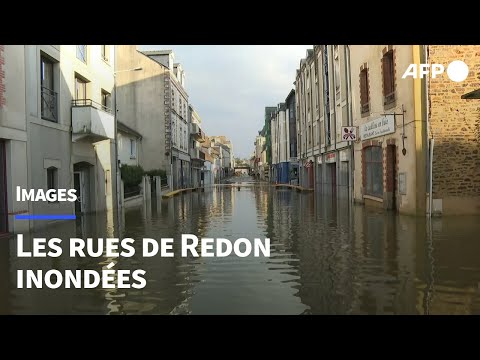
<point x="82" y="193"/>
<point x="80" y="91"/>
<point x="391" y="174"/>
<point x="334" y="176"/>
<point x="3" y="190"/>
<point x="311" y="176"/>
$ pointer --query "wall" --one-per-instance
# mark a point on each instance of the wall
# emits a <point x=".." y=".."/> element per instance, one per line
<point x="124" y="149"/>
<point x="13" y="128"/>
<point x="455" y="126"/>
<point x="140" y="103"/>
<point x="372" y="56"/>
<point x="49" y="142"/>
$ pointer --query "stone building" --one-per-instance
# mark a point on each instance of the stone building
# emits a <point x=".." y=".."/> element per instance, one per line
<point x="454" y="124"/>
<point x="323" y="107"/>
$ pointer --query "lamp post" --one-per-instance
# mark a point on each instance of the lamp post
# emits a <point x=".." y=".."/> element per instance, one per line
<point x="116" y="135"/>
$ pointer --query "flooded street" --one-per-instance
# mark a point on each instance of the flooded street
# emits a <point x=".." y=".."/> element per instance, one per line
<point x="327" y="257"/>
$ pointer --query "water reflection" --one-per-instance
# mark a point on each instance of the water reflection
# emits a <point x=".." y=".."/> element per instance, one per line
<point x="328" y="257"/>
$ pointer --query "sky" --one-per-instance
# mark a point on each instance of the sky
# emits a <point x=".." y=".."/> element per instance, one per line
<point x="230" y="85"/>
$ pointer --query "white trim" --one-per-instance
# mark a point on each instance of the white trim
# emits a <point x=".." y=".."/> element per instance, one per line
<point x="47" y="163"/>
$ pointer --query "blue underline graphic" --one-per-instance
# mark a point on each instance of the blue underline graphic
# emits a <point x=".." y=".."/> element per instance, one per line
<point x="45" y="217"/>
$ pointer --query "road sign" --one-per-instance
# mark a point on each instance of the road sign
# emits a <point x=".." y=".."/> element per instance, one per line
<point x="349" y="133"/>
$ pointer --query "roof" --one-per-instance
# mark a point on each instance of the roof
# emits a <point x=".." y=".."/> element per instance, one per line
<point x="475" y="94"/>
<point x="122" y="127"/>
<point x="292" y="93"/>
<point x="156" y="52"/>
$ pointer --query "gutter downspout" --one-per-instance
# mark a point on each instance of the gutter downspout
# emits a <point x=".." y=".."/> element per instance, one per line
<point x="334" y="96"/>
<point x="350" y="118"/>
<point x="429" y="137"/>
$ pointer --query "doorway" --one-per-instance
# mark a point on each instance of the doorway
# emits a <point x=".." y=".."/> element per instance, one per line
<point x="3" y="189"/>
<point x="311" y="175"/>
<point x="332" y="177"/>
<point x="391" y="173"/>
<point x="81" y="183"/>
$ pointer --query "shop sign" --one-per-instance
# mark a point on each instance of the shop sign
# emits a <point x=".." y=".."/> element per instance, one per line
<point x="378" y="127"/>
<point x="330" y="158"/>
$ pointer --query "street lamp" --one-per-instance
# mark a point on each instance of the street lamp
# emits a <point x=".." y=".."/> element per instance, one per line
<point x="116" y="136"/>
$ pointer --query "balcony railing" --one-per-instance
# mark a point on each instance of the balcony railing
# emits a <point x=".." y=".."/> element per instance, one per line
<point x="49" y="104"/>
<point x="91" y="120"/>
<point x="91" y="103"/>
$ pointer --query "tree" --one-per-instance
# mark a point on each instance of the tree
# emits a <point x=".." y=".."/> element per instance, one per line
<point x="240" y="162"/>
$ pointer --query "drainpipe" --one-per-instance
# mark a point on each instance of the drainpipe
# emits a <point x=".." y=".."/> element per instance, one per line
<point x="118" y="202"/>
<point x="350" y="117"/>
<point x="427" y="136"/>
<point x="334" y="83"/>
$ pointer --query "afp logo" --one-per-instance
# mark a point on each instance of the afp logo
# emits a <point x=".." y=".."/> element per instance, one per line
<point x="457" y="70"/>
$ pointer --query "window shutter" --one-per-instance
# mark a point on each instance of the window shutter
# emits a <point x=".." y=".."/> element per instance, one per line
<point x="385" y="75"/>
<point x="367" y="99"/>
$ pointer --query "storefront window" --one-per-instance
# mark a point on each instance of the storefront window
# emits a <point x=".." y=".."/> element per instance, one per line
<point x="374" y="171"/>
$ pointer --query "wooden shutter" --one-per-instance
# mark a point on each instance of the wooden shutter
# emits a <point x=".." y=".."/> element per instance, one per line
<point x="386" y="77"/>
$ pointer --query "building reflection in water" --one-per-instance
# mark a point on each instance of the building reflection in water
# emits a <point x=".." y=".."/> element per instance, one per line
<point x="328" y="256"/>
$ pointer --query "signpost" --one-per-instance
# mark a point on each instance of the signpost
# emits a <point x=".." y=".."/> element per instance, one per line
<point x="349" y="133"/>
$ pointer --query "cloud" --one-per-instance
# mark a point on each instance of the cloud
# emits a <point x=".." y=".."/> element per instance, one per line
<point x="230" y="85"/>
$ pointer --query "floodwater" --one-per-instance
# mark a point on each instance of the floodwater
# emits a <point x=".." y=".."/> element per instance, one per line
<point x="327" y="257"/>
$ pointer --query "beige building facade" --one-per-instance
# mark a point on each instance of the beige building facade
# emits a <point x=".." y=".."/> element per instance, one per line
<point x="153" y="101"/>
<point x="57" y="127"/>
<point x="389" y="113"/>
<point x="323" y="107"/>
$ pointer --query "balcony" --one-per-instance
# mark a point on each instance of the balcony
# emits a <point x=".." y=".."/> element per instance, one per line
<point x="91" y="121"/>
<point x="197" y="154"/>
<point x="197" y="133"/>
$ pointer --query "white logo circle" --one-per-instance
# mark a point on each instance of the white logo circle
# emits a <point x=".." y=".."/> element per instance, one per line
<point x="457" y="71"/>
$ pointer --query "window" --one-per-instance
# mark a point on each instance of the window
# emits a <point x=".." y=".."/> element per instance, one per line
<point x="49" y="97"/>
<point x="105" y="52"/>
<point x="80" y="90"/>
<point x="133" y="148"/>
<point x="373" y="171"/>
<point x="364" y="92"/>
<point x="388" y="78"/>
<point x="82" y="53"/>
<point x="309" y="135"/>
<point x="106" y="100"/>
<point x="52" y="178"/>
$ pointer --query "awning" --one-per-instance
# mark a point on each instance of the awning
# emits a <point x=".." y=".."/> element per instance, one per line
<point x="475" y="94"/>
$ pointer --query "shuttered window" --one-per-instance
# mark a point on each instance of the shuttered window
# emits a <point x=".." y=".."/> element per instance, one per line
<point x="364" y="92"/>
<point x="388" y="78"/>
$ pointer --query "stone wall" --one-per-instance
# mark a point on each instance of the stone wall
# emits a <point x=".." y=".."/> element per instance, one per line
<point x="455" y="124"/>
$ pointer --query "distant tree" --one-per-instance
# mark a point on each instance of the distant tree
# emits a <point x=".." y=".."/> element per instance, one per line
<point x="241" y="162"/>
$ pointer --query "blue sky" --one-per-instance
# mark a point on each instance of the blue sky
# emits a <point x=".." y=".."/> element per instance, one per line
<point x="230" y="85"/>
